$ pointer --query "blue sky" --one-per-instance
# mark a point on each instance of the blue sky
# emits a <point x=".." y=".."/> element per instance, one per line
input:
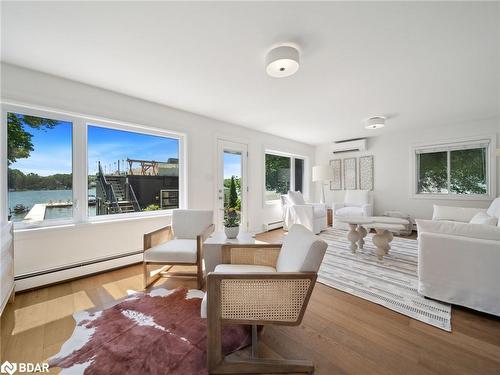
<point x="110" y="145"/>
<point x="53" y="149"/>
<point x="232" y="165"/>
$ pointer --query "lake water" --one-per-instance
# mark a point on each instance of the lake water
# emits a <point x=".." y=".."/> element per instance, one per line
<point x="30" y="198"/>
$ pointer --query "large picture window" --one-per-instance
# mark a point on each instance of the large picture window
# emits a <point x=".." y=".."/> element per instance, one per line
<point x="39" y="168"/>
<point x="460" y="169"/>
<point x="131" y="172"/>
<point x="55" y="162"/>
<point x="283" y="173"/>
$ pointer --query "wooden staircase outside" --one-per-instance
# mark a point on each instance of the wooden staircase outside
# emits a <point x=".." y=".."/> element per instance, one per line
<point x="115" y="195"/>
<point x="124" y="204"/>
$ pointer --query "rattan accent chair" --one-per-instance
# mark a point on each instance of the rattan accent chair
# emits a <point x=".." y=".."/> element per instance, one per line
<point x="261" y="285"/>
<point x="178" y="244"/>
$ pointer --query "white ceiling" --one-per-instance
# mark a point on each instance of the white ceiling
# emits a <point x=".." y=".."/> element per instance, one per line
<point x="423" y="64"/>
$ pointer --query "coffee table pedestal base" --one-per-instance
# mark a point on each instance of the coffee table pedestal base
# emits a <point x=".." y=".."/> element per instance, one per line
<point x="382" y="242"/>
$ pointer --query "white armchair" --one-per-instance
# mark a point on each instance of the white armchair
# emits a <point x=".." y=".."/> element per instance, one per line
<point x="356" y="203"/>
<point x="261" y="284"/>
<point x="458" y="257"/>
<point x="178" y="244"/>
<point x="296" y="211"/>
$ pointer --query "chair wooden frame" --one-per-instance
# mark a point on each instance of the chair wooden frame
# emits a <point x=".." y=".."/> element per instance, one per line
<point x="163" y="235"/>
<point x="222" y="289"/>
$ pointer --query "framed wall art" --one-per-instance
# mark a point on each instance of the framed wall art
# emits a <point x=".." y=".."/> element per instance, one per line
<point x="336" y="182"/>
<point x="350" y="174"/>
<point x="366" y="172"/>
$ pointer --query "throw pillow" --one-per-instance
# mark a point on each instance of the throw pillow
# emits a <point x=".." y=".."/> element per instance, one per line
<point x="483" y="218"/>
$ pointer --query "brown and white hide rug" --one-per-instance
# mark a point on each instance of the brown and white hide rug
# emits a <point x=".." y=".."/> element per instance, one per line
<point x="159" y="332"/>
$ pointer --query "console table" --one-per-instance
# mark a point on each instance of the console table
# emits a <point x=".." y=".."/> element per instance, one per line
<point x="212" y="247"/>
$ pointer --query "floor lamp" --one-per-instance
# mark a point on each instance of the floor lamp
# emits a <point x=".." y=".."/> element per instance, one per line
<point x="322" y="173"/>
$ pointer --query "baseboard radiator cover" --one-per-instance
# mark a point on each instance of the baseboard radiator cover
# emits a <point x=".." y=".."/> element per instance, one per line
<point x="273" y="225"/>
<point x="60" y="274"/>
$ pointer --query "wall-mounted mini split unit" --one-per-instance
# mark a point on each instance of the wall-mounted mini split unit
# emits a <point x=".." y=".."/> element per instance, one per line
<point x="350" y="145"/>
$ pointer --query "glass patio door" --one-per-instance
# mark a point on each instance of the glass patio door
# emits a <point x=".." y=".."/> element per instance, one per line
<point x="231" y="181"/>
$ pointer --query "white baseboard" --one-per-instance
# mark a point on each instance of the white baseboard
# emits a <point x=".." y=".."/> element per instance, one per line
<point x="75" y="272"/>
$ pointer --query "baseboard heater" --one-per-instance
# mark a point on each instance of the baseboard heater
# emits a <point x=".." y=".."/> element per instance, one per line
<point x="273" y="225"/>
<point x="75" y="270"/>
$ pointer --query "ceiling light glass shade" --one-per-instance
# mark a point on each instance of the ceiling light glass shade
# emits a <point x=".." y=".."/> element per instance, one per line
<point x="375" y="123"/>
<point x="282" y="61"/>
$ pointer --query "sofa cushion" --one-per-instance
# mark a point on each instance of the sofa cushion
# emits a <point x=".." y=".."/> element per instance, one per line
<point x="177" y="250"/>
<point x="243" y="268"/>
<point x="349" y="211"/>
<point x="295" y="197"/>
<point x="302" y="251"/>
<point x="483" y="218"/>
<point x="462" y="214"/>
<point x="480" y="231"/>
<point x="356" y="197"/>
<point x="187" y="224"/>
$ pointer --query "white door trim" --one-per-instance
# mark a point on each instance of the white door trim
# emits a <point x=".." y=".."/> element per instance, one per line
<point x="226" y="145"/>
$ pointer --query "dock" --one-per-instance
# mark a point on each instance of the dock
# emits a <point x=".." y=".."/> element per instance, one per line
<point x="37" y="213"/>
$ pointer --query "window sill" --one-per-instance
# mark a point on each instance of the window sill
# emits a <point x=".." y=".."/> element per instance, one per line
<point x="452" y="197"/>
<point x="59" y="225"/>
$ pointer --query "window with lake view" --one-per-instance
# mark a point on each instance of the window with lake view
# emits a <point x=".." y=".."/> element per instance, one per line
<point x="39" y="170"/>
<point x="65" y="168"/>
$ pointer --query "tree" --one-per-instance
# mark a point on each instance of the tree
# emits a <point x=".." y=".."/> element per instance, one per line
<point x="19" y="145"/>
<point x="467" y="170"/>
<point x="233" y="194"/>
<point x="277" y="173"/>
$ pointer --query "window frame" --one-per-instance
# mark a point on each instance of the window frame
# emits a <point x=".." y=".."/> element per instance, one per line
<point x="292" y="157"/>
<point x="448" y="146"/>
<point x="80" y="123"/>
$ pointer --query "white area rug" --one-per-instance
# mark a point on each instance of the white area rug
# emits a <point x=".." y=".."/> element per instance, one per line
<point x="391" y="282"/>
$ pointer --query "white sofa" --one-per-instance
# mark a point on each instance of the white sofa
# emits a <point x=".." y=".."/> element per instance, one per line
<point x="296" y="211"/>
<point x="356" y="203"/>
<point x="459" y="258"/>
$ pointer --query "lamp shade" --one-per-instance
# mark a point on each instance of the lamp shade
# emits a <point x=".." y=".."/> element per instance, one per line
<point x="322" y="173"/>
<point x="498" y="152"/>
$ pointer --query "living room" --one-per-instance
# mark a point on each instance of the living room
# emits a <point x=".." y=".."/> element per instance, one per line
<point x="349" y="148"/>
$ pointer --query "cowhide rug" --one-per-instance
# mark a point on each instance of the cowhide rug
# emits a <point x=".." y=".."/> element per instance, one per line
<point x="159" y="332"/>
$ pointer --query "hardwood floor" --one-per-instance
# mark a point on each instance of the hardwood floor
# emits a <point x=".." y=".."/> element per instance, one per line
<point x="341" y="333"/>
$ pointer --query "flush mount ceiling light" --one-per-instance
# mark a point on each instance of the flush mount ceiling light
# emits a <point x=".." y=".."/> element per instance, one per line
<point x="282" y="61"/>
<point x="375" y="122"/>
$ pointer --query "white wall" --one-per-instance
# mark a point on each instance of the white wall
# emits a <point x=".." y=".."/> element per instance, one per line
<point x="45" y="248"/>
<point x="391" y="152"/>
